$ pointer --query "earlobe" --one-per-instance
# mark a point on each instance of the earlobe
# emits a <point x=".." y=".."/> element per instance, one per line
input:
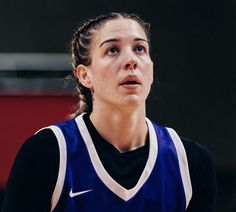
<point x="83" y="74"/>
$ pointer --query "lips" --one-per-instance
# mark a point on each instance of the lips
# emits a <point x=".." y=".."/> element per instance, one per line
<point x="130" y="80"/>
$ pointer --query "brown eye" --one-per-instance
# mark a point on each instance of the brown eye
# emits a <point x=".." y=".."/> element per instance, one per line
<point x="139" y="49"/>
<point x="112" y="51"/>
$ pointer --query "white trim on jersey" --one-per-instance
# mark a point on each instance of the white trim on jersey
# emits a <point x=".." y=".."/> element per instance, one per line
<point x="62" y="165"/>
<point x="183" y="165"/>
<point x="116" y="188"/>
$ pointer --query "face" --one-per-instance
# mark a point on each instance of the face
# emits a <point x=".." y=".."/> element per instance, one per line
<point x="121" y="72"/>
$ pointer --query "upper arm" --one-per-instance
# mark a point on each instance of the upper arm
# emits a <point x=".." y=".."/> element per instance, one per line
<point x="203" y="178"/>
<point x="33" y="175"/>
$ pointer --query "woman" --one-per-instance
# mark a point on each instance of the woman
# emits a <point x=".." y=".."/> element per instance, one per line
<point x="110" y="157"/>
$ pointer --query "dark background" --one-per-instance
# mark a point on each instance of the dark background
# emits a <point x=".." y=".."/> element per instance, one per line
<point x="193" y="49"/>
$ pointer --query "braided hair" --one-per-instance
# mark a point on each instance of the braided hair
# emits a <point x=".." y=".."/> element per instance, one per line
<point x="80" y="52"/>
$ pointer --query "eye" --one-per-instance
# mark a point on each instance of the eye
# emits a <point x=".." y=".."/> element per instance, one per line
<point x="140" y="49"/>
<point x="112" y="51"/>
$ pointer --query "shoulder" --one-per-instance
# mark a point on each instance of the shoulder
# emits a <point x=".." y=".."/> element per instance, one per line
<point x="194" y="150"/>
<point x="41" y="143"/>
<point x="200" y="159"/>
<point x="40" y="154"/>
<point x="39" y="150"/>
<point x="191" y="145"/>
<point x="197" y="154"/>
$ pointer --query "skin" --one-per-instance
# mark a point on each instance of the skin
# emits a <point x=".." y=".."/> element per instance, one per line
<point x="120" y="78"/>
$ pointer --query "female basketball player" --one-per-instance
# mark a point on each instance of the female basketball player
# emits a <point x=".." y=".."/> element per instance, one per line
<point x="110" y="157"/>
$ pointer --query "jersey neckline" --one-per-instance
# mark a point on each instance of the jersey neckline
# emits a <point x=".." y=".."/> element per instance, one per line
<point x="110" y="183"/>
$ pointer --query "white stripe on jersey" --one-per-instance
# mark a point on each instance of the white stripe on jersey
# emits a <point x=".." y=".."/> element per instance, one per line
<point x="62" y="165"/>
<point x="183" y="165"/>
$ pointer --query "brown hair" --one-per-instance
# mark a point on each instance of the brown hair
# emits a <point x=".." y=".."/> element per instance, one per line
<point x="80" y="52"/>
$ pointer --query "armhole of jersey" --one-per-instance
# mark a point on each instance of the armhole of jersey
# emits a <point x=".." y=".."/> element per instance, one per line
<point x="183" y="164"/>
<point x="62" y="165"/>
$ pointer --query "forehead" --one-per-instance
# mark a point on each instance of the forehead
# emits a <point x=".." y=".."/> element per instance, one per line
<point x="121" y="29"/>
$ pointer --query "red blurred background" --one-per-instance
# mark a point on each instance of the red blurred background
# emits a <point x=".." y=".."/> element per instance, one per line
<point x="21" y="116"/>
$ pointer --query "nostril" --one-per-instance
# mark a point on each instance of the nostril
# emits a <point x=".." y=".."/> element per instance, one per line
<point x="127" y="65"/>
<point x="132" y="65"/>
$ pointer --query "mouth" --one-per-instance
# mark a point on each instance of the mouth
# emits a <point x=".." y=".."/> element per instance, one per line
<point x="130" y="81"/>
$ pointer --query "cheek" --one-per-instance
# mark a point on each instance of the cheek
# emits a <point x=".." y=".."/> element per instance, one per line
<point x="151" y="74"/>
<point x="107" y="71"/>
<point x="149" y="70"/>
<point x="102" y="77"/>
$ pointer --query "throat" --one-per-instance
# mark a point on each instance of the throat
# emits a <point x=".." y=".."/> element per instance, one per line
<point x="125" y="132"/>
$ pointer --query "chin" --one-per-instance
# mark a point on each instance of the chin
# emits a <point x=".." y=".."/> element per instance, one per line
<point x="133" y="101"/>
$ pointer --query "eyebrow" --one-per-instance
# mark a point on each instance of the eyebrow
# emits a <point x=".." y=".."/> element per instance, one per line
<point x="117" y="40"/>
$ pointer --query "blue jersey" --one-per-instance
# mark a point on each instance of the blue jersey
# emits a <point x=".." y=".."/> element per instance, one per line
<point x="83" y="184"/>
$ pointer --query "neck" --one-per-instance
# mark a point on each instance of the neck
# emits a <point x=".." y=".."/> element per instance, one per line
<point x="126" y="130"/>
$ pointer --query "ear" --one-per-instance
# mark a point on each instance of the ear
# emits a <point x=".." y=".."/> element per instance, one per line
<point x="84" y="75"/>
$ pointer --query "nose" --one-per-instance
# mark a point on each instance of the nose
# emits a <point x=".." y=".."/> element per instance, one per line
<point x="130" y="62"/>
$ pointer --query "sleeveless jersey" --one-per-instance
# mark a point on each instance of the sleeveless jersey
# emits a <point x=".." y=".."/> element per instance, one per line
<point x="83" y="184"/>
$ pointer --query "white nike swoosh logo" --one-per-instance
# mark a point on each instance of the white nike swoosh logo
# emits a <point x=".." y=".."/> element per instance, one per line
<point x="78" y="193"/>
